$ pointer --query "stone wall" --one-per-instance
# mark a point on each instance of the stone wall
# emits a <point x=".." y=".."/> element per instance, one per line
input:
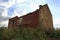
<point x="13" y="22"/>
<point x="41" y="17"/>
<point x="31" y="19"/>
<point x="45" y="17"/>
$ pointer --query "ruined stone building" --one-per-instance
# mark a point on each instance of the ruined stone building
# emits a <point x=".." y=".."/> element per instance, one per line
<point x="42" y="17"/>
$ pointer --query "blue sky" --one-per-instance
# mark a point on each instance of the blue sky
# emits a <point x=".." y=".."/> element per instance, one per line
<point x="13" y="8"/>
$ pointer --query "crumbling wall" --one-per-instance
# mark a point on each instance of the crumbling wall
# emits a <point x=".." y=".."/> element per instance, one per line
<point x="41" y="17"/>
<point x="45" y="18"/>
<point x="31" y="19"/>
<point x="13" y="22"/>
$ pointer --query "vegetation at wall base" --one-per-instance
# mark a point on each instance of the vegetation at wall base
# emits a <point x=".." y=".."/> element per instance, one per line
<point x="22" y="33"/>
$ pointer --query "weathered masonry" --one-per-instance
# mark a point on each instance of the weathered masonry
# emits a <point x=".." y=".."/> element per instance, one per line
<point x="42" y="17"/>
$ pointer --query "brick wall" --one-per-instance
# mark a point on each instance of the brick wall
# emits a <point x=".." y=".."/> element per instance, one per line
<point x="31" y="19"/>
<point x="41" y="17"/>
<point x="13" y="22"/>
<point x="45" y="18"/>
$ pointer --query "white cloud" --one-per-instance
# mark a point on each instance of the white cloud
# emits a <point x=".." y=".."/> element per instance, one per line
<point x="15" y="14"/>
<point x="3" y="11"/>
<point x="33" y="7"/>
<point x="3" y="1"/>
<point x="18" y="12"/>
<point x="4" y="23"/>
<point x="4" y="14"/>
<point x="20" y="1"/>
<point x="9" y="3"/>
<point x="56" y="22"/>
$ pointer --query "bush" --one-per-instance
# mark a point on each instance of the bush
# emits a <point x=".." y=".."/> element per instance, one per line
<point x="21" y="33"/>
